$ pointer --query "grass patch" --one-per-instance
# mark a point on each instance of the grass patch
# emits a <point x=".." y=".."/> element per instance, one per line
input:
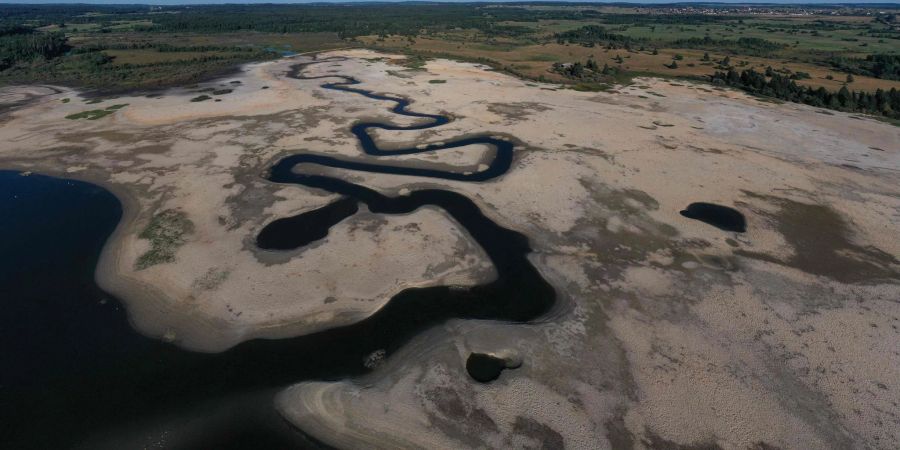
<point x="591" y="87"/>
<point x="437" y="81"/>
<point x="415" y="62"/>
<point x="66" y="100"/>
<point x="201" y="98"/>
<point x="95" y="114"/>
<point x="222" y="91"/>
<point x="166" y="233"/>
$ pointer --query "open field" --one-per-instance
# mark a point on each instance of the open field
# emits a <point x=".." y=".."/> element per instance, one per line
<point x="536" y="60"/>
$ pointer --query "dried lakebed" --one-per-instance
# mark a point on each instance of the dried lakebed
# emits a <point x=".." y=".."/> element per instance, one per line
<point x="518" y="293"/>
<point x="664" y="330"/>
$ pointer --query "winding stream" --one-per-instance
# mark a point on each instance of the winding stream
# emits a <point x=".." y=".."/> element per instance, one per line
<point x="112" y="385"/>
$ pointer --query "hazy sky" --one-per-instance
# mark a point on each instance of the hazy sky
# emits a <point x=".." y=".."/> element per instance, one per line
<point x="197" y="2"/>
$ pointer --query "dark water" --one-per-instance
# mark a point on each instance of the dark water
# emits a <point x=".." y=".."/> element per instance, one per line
<point x="721" y="217"/>
<point x="74" y="372"/>
<point x="300" y="230"/>
<point x="499" y="165"/>
<point x="484" y="368"/>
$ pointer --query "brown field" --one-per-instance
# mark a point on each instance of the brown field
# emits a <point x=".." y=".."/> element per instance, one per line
<point x="536" y="60"/>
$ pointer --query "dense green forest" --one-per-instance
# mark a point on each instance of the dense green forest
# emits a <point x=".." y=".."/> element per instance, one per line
<point x="18" y="44"/>
<point x="881" y="102"/>
<point x="879" y="66"/>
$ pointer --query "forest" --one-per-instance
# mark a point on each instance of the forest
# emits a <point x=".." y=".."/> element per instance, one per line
<point x="880" y="102"/>
<point x="18" y="43"/>
<point x="879" y="66"/>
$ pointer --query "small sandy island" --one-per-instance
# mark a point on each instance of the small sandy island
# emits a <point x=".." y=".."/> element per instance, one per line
<point x="667" y="331"/>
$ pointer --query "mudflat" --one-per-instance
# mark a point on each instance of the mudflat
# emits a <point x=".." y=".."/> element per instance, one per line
<point x="665" y="330"/>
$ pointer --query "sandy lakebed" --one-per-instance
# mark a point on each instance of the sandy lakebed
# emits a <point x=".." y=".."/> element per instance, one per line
<point x="665" y="332"/>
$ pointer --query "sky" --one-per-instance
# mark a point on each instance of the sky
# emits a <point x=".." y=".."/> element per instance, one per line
<point x="197" y="2"/>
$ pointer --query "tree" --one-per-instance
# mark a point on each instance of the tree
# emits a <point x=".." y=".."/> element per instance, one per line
<point x="705" y="56"/>
<point x="655" y="51"/>
<point x="576" y="70"/>
<point x="844" y="97"/>
<point x="849" y="77"/>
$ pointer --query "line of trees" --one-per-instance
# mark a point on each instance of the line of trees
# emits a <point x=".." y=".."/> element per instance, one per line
<point x="879" y="66"/>
<point x="590" y="70"/>
<point x="881" y="102"/>
<point x="591" y="35"/>
<point x="744" y="45"/>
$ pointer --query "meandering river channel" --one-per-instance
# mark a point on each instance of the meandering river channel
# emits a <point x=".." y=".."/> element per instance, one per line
<point x="75" y="370"/>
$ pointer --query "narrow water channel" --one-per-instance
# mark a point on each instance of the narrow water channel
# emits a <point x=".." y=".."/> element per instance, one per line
<point x="74" y="369"/>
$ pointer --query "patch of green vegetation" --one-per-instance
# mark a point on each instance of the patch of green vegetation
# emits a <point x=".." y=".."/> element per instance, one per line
<point x="95" y="114"/>
<point x="212" y="279"/>
<point x="166" y="233"/>
<point x="201" y="98"/>
<point x="415" y="62"/>
<point x="66" y="100"/>
<point x="544" y="57"/>
<point x="437" y="81"/>
<point x="591" y="87"/>
<point x="222" y="91"/>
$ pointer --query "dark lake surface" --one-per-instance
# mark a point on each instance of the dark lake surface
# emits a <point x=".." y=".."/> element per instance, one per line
<point x="484" y="368"/>
<point x="74" y="372"/>
<point x="721" y="217"/>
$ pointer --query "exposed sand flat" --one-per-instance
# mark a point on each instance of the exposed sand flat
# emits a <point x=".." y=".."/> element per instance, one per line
<point x="668" y="332"/>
